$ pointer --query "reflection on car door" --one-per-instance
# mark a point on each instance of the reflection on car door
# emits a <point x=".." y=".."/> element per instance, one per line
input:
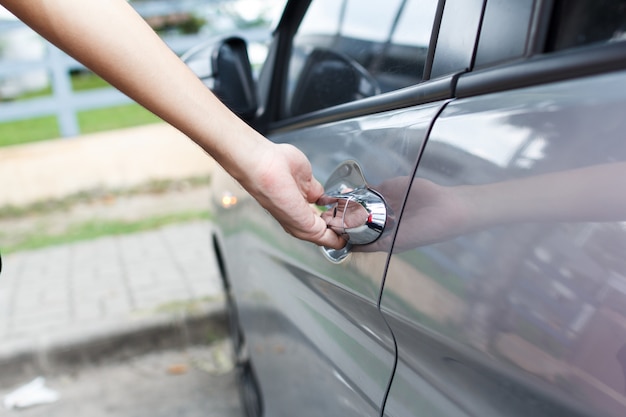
<point x="518" y="312"/>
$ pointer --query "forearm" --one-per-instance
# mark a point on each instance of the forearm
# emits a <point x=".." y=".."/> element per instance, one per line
<point x="113" y="41"/>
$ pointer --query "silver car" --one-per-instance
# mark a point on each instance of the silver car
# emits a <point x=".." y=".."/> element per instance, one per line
<point x="474" y="157"/>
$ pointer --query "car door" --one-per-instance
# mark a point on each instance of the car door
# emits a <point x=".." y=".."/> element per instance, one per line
<point x="347" y="86"/>
<point x="505" y="291"/>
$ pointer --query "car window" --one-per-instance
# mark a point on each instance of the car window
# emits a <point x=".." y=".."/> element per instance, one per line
<point x="504" y="31"/>
<point x="348" y="50"/>
<point x="577" y="23"/>
<point x="457" y="38"/>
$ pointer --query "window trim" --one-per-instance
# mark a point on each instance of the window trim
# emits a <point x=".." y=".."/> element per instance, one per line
<point x="434" y="36"/>
<point x="544" y="68"/>
<point x="425" y="92"/>
<point x="283" y="36"/>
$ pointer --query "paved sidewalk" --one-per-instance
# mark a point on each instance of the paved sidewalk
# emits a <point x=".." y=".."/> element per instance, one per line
<point x="113" y="297"/>
<point x="74" y="299"/>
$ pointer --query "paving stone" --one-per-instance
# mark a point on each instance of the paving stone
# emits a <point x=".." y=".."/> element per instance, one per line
<point x="84" y="289"/>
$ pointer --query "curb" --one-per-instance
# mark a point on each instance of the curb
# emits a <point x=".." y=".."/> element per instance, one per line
<point x="23" y="362"/>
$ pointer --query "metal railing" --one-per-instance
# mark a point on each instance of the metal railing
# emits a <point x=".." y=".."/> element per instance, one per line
<point x="64" y="102"/>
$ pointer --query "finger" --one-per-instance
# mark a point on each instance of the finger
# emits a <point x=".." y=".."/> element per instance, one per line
<point x="323" y="236"/>
<point x="332" y="240"/>
<point x="315" y="191"/>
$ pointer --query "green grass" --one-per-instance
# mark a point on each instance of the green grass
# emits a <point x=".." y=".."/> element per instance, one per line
<point x="25" y="131"/>
<point x="99" y="120"/>
<point x="87" y="81"/>
<point x="115" y="118"/>
<point x="41" y="235"/>
<point x="80" y="82"/>
<point x="90" y="121"/>
<point x="94" y="229"/>
<point x="44" y="92"/>
<point x="96" y="195"/>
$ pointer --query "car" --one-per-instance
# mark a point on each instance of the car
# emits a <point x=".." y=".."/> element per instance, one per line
<point x="473" y="154"/>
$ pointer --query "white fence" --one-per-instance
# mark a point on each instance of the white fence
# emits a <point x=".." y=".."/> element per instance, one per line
<point x="65" y="103"/>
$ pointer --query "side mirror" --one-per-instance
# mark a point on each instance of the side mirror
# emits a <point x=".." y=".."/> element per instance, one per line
<point x="224" y="67"/>
<point x="234" y="83"/>
<point x="330" y="78"/>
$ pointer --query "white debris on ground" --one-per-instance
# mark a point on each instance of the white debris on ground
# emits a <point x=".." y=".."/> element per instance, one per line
<point x="31" y="394"/>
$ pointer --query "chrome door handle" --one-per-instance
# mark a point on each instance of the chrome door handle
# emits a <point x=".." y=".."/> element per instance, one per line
<point x="353" y="210"/>
<point x="357" y="215"/>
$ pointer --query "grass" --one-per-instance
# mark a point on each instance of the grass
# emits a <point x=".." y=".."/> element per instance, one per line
<point x="87" y="81"/>
<point x="25" y="131"/>
<point x="90" y="121"/>
<point x="111" y="118"/>
<point x="40" y="236"/>
<point x="97" y="194"/>
<point x="94" y="229"/>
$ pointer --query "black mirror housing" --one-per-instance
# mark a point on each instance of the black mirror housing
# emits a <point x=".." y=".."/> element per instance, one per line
<point x="224" y="67"/>
<point x="233" y="81"/>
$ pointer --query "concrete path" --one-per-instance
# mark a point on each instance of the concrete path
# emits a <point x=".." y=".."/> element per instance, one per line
<point x="174" y="383"/>
<point x="111" y="297"/>
<point x="91" y="301"/>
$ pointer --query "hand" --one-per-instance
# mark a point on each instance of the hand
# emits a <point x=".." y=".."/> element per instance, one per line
<point x="282" y="182"/>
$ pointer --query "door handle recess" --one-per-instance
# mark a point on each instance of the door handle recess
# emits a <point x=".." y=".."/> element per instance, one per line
<point x="353" y="210"/>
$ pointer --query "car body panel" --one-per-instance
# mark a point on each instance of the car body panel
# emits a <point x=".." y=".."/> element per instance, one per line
<point x="524" y="317"/>
<point x="506" y="301"/>
<point x="302" y="314"/>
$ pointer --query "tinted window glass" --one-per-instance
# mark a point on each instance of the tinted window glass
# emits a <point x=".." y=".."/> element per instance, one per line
<point x="583" y="22"/>
<point x="457" y="36"/>
<point x="504" y="31"/>
<point x="351" y="49"/>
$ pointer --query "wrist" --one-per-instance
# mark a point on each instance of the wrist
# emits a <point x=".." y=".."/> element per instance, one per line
<point x="251" y="162"/>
